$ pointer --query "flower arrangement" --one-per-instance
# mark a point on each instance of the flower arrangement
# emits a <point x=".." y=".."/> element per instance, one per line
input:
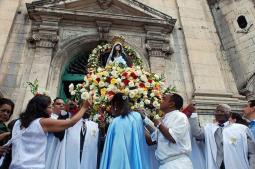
<point x="143" y="89"/>
<point x="93" y="61"/>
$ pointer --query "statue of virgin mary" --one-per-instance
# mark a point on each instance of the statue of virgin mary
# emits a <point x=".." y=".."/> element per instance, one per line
<point x="117" y="55"/>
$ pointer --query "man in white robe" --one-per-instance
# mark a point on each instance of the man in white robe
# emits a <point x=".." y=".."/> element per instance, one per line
<point x="226" y="145"/>
<point x="172" y="136"/>
<point x="82" y="145"/>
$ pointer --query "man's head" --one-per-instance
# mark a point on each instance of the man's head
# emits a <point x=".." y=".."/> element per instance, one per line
<point x="58" y="105"/>
<point x="222" y="113"/>
<point x="171" y="101"/>
<point x="249" y="110"/>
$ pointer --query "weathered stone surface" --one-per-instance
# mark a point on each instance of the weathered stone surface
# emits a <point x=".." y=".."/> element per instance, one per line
<point x="203" y="53"/>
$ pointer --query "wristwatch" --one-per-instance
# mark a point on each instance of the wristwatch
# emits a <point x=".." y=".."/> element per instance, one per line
<point x="158" y="125"/>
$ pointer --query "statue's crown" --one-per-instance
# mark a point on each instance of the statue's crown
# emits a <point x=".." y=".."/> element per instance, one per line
<point x="118" y="39"/>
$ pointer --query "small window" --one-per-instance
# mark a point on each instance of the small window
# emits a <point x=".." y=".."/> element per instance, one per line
<point x="242" y="22"/>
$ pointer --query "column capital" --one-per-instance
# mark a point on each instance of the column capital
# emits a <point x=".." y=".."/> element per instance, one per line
<point x="157" y="43"/>
<point x="44" y="33"/>
<point x="103" y="28"/>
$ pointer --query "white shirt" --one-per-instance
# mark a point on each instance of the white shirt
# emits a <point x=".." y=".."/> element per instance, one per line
<point x="28" y="146"/>
<point x="178" y="126"/>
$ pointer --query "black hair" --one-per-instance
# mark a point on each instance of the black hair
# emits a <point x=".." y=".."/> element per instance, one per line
<point x="120" y="103"/>
<point x="36" y="108"/>
<point x="7" y="101"/>
<point x="252" y="103"/>
<point x="238" y="117"/>
<point x="178" y="101"/>
<point x="57" y="98"/>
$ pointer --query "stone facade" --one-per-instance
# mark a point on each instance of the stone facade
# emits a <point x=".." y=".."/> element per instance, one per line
<point x="179" y="38"/>
<point x="235" y="26"/>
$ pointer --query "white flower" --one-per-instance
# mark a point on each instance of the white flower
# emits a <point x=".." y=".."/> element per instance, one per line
<point x="144" y="78"/>
<point x="131" y="84"/>
<point x="152" y="94"/>
<point x="139" y="73"/>
<point x="82" y="90"/>
<point x="91" y="87"/>
<point x="147" y="101"/>
<point x="71" y="87"/>
<point x="156" y="117"/>
<point x="72" y="93"/>
<point x="140" y="91"/>
<point x="145" y="93"/>
<point x="126" y="90"/>
<point x="156" y="104"/>
<point x="119" y="81"/>
<point x="95" y="118"/>
<point x="132" y="94"/>
<point x="94" y="77"/>
<point x="85" y="96"/>
<point x="141" y="104"/>
<point x="99" y="69"/>
<point x="94" y="51"/>
<point x="114" y="73"/>
<point x="110" y="87"/>
<point x="101" y="84"/>
<point x="109" y="120"/>
<point x="156" y="76"/>
<point x="147" y="84"/>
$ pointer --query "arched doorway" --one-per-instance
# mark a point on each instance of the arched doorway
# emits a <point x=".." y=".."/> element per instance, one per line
<point x="75" y="69"/>
<point x="68" y="55"/>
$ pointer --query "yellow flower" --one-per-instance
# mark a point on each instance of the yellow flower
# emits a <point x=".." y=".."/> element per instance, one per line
<point x="113" y="81"/>
<point x="103" y="91"/>
<point x="95" y="82"/>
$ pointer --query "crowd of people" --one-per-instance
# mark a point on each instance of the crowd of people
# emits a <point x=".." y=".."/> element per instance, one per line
<point x="57" y="135"/>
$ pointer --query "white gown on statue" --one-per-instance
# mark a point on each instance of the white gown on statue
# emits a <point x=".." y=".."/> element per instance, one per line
<point x="118" y="59"/>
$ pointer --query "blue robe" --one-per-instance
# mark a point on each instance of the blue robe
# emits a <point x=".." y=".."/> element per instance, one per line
<point x="125" y="146"/>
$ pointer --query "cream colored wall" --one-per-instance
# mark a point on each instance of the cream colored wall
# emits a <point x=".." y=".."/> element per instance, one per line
<point x="8" y="9"/>
<point x="196" y="63"/>
<point x="239" y="46"/>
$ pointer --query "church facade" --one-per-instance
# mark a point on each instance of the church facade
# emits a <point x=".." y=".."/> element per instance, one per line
<point x="204" y="48"/>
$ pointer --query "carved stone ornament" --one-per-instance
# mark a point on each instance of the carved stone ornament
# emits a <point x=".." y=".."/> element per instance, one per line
<point x="104" y="4"/>
<point x="157" y="45"/>
<point x="43" y="40"/>
<point x="103" y="29"/>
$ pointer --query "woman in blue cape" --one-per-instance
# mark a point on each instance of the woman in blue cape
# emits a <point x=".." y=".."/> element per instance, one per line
<point x="125" y="146"/>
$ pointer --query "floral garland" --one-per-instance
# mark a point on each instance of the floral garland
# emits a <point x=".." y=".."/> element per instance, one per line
<point x="144" y="89"/>
<point x="93" y="61"/>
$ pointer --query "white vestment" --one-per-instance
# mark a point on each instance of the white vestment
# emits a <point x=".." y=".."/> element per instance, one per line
<point x="54" y="151"/>
<point x="174" y="155"/>
<point x="90" y="147"/>
<point x="235" y="146"/>
<point x="197" y="155"/>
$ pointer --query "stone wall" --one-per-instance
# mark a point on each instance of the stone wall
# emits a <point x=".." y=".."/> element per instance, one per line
<point x="16" y="59"/>
<point x="195" y="63"/>
<point x="238" y="44"/>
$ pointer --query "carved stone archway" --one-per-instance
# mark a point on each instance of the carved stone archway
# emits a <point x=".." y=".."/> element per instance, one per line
<point x="69" y="49"/>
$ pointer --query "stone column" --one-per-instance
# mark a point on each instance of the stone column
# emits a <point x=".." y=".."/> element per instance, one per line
<point x="43" y="38"/>
<point x="158" y="48"/>
<point x="204" y="54"/>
